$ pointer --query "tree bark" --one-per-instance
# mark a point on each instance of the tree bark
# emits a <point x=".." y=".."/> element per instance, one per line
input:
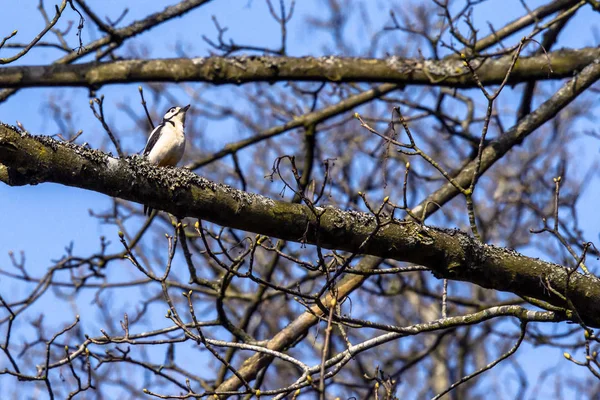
<point x="237" y="70"/>
<point x="449" y="253"/>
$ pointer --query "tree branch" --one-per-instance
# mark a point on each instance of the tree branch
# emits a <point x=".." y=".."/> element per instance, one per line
<point x="237" y="70"/>
<point x="118" y="36"/>
<point x="450" y="254"/>
<point x="59" y="11"/>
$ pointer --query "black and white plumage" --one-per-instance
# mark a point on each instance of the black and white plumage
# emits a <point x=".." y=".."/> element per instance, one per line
<point x="166" y="143"/>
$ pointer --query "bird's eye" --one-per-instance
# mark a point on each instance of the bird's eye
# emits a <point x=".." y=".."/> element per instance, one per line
<point x="171" y="109"/>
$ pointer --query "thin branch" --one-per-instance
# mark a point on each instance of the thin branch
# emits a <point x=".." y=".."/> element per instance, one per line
<point x="59" y="11"/>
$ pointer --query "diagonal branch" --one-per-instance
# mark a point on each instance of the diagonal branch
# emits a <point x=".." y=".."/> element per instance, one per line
<point x="304" y="120"/>
<point x="530" y="18"/>
<point x="59" y="11"/>
<point x="450" y="254"/>
<point x="112" y="41"/>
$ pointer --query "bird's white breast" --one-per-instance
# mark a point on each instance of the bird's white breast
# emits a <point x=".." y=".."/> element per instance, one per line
<point x="169" y="148"/>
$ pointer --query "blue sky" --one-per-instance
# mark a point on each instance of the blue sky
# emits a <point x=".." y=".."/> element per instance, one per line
<point x="42" y="220"/>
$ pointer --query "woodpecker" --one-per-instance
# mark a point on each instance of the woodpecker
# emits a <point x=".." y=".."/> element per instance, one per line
<point x="166" y="143"/>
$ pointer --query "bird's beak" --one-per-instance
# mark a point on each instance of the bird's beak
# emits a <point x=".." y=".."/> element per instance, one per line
<point x="186" y="108"/>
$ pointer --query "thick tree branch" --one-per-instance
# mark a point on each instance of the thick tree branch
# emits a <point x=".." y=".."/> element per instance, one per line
<point x="237" y="70"/>
<point x="449" y="253"/>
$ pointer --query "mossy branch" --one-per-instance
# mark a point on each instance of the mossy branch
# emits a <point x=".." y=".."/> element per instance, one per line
<point x="449" y="254"/>
<point x="237" y="70"/>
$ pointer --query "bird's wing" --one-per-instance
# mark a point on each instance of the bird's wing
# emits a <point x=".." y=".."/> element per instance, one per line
<point x="154" y="136"/>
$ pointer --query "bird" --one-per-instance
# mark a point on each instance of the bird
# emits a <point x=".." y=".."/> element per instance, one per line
<point x="166" y="142"/>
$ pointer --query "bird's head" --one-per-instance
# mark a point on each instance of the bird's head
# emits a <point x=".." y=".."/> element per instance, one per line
<point x="176" y="114"/>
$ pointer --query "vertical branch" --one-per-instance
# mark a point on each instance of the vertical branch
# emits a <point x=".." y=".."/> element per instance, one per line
<point x="100" y="116"/>
<point x="141" y="90"/>
<point x="468" y="193"/>
<point x="325" y="351"/>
